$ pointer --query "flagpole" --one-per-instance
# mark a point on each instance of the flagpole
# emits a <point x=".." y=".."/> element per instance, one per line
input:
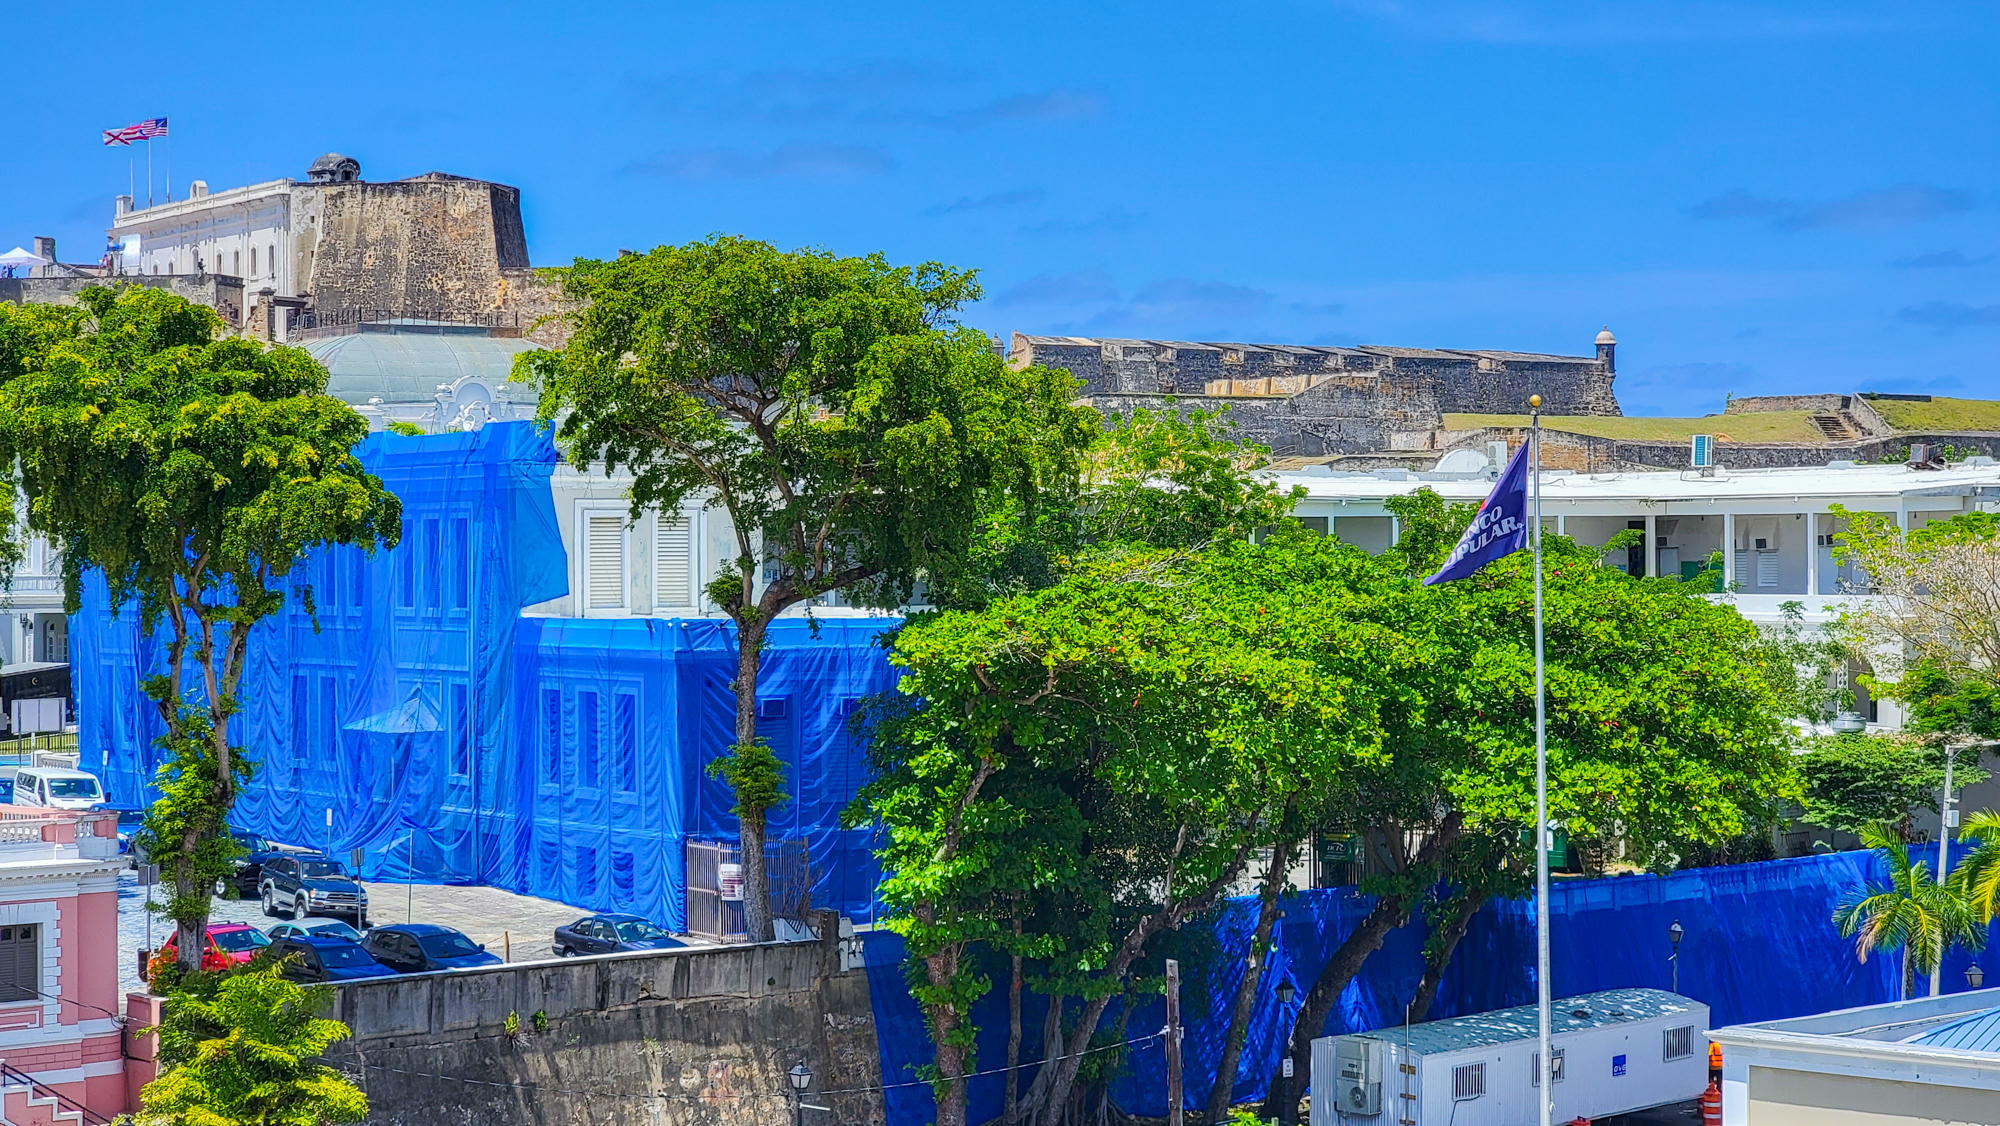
<point x="149" y="172"/>
<point x="1547" y="1066"/>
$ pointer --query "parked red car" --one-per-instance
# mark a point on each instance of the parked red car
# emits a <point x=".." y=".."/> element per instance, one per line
<point x="228" y="944"/>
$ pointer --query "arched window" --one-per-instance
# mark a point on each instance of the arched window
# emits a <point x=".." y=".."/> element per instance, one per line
<point x="253" y="261"/>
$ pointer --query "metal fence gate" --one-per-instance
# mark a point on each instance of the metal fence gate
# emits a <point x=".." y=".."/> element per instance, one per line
<point x="715" y="886"/>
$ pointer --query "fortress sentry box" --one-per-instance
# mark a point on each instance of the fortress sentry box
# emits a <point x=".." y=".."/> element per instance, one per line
<point x="1616" y="1052"/>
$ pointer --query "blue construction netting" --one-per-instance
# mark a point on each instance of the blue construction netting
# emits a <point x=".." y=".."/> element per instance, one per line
<point x="455" y="741"/>
<point x="1759" y="945"/>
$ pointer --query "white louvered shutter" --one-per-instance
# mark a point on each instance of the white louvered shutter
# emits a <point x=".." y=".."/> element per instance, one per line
<point x="604" y="562"/>
<point x="1767" y="568"/>
<point x="673" y="561"/>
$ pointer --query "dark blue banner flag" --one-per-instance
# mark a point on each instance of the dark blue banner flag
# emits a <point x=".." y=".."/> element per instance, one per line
<point x="1501" y="528"/>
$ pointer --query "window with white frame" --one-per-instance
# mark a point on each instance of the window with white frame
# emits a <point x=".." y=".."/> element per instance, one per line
<point x="20" y="962"/>
<point x="673" y="561"/>
<point x="603" y="560"/>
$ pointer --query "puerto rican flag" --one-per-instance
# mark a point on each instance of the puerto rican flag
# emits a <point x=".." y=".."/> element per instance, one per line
<point x="144" y="131"/>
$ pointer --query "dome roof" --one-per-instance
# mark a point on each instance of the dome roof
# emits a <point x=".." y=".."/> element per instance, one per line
<point x="1605" y="337"/>
<point x="406" y="367"/>
<point x="334" y="168"/>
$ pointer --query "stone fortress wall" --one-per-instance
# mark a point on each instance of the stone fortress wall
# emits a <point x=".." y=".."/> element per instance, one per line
<point x="433" y="242"/>
<point x="1316" y="401"/>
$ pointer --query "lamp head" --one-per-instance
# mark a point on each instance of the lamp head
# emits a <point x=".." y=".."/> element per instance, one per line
<point x="1286" y="992"/>
<point x="801" y="1077"/>
<point x="1675" y="932"/>
<point x="1974" y="976"/>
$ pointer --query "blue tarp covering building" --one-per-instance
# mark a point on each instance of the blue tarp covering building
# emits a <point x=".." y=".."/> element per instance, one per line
<point x="455" y="741"/>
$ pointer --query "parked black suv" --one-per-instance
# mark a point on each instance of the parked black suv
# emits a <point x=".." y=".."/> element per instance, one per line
<point x="312" y="885"/>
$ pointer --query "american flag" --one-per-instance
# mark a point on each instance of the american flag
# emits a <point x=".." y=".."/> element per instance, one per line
<point x="144" y="131"/>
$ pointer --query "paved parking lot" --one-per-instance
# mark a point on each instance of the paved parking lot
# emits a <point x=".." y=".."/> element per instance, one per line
<point x="517" y="927"/>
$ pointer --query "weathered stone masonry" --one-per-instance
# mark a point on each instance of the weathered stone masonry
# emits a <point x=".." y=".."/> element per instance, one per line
<point x="694" y="1037"/>
<point x="433" y="242"/>
<point x="1314" y="401"/>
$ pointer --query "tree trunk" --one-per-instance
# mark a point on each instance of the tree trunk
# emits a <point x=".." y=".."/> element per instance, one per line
<point x="756" y="879"/>
<point x="1033" y="1104"/>
<point x="1465" y="905"/>
<point x="1909" y="974"/>
<point x="1390" y="912"/>
<point x="191" y="935"/>
<point x="942" y="968"/>
<point x="1012" y="1111"/>
<point x="1134" y="945"/>
<point x="1224" y="1091"/>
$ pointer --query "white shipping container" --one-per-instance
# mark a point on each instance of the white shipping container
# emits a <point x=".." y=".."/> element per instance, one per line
<point x="1618" y="1051"/>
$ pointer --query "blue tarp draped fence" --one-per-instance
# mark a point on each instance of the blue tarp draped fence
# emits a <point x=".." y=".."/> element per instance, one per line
<point x="456" y="741"/>
<point x="1759" y="945"/>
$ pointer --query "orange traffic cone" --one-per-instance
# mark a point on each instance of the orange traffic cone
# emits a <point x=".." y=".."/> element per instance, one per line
<point x="1711" y="1105"/>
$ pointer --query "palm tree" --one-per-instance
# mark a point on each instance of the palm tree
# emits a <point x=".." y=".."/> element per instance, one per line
<point x="1913" y="913"/>
<point x="1978" y="875"/>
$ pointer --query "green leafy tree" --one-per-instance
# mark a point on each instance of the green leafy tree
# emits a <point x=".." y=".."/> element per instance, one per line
<point x="1663" y="730"/>
<point x="854" y="432"/>
<point x="1137" y="730"/>
<point x="1177" y="480"/>
<point x="1936" y="613"/>
<point x="1152" y="478"/>
<point x="243" y="1048"/>
<point x="1978" y="874"/>
<point x="194" y="471"/>
<point x="1912" y="912"/>
<point x="1850" y="781"/>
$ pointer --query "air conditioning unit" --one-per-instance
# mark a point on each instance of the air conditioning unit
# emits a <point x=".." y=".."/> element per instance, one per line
<point x="1701" y="451"/>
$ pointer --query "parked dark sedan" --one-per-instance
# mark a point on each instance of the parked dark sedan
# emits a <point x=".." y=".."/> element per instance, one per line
<point x="249" y="866"/>
<point x="328" y="929"/>
<point x="414" y="948"/>
<point x="313" y="958"/>
<point x="610" y="934"/>
<point x="312" y="885"/>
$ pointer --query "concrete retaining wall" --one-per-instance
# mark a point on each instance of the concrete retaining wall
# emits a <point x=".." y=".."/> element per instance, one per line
<point x="702" y="1037"/>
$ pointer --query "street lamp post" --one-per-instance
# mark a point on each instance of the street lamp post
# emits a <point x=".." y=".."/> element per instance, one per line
<point x="1947" y="821"/>
<point x="1674" y="934"/>
<point x="801" y="1078"/>
<point x="1286" y="992"/>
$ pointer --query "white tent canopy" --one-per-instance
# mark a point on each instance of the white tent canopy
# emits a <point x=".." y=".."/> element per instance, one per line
<point x="19" y="257"/>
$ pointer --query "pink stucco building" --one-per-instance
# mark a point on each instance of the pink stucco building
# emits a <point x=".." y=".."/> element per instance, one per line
<point x="62" y="1052"/>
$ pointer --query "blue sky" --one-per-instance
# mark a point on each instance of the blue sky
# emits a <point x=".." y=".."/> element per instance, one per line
<point x="1758" y="198"/>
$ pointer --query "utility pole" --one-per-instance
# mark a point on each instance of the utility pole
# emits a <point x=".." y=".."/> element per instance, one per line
<point x="1173" y="1042"/>
<point x="1947" y="821"/>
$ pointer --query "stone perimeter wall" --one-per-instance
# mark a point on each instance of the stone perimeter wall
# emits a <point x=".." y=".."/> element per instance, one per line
<point x="1313" y="401"/>
<point x="1586" y="453"/>
<point x="696" y="1037"/>
<point x="220" y="292"/>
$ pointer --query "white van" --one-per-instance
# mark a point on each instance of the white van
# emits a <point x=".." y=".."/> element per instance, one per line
<point x="57" y="787"/>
